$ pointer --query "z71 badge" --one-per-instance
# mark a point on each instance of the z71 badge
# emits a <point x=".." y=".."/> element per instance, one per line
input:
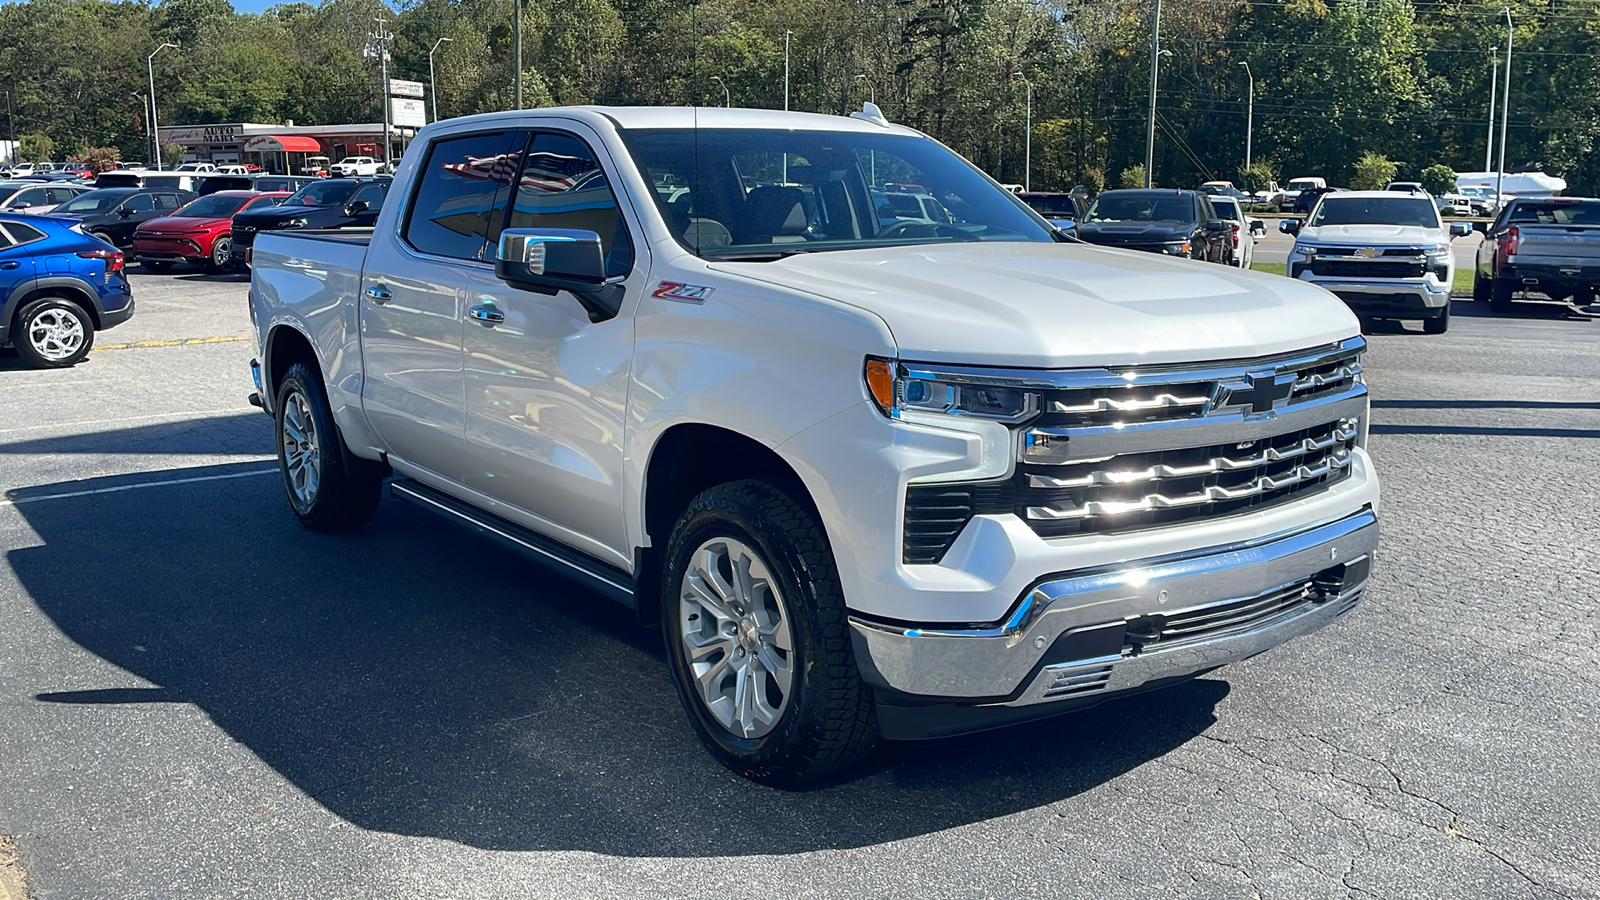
<point x="683" y="293"/>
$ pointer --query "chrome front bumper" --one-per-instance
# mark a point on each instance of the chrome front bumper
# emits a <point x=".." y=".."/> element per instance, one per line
<point x="1431" y="294"/>
<point x="1105" y="631"/>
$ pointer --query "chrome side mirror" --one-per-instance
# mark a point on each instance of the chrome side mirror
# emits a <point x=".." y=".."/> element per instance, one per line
<point x="549" y="260"/>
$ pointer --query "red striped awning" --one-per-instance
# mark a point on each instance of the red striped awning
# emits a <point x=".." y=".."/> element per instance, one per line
<point x="293" y="143"/>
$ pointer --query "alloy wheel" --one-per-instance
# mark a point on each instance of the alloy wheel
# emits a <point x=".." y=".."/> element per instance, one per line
<point x="55" y="334"/>
<point x="737" y="637"/>
<point x="302" y="454"/>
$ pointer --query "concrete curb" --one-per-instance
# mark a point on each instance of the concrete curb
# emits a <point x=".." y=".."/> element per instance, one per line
<point x="12" y="884"/>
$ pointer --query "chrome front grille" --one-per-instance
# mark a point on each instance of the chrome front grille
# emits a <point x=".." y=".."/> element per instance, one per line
<point x="1145" y="489"/>
<point x="1113" y="450"/>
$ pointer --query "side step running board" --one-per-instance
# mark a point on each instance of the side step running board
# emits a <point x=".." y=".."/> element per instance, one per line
<point x="563" y="560"/>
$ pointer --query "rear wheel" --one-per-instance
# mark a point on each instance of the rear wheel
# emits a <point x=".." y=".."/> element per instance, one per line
<point x="1480" y="289"/>
<point x="1439" y="324"/>
<point x="324" y="494"/>
<point x="1500" y="295"/>
<point x="53" y="333"/>
<point x="755" y="625"/>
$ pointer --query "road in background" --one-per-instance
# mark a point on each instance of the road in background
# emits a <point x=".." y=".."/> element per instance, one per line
<point x="202" y="699"/>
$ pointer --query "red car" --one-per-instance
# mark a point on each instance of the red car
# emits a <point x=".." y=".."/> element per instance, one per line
<point x="198" y="232"/>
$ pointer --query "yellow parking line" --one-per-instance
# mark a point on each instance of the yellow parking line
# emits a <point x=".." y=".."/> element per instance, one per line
<point x="176" y="342"/>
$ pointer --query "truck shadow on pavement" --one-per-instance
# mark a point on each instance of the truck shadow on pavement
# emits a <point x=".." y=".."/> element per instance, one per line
<point x="416" y="680"/>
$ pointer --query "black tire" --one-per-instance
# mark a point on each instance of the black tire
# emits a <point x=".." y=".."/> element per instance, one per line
<point x="830" y="720"/>
<point x="337" y="499"/>
<point x="221" y="257"/>
<point x="157" y="266"/>
<point x="1480" y="289"/>
<point x="1500" y="295"/>
<point x="1438" y="324"/>
<point x="44" y="336"/>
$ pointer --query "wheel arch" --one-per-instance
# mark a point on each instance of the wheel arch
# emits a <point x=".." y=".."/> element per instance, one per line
<point x="286" y="345"/>
<point x="687" y="459"/>
<point x="62" y="287"/>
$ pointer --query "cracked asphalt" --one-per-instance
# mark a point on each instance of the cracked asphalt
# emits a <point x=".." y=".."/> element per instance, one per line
<point x="200" y="699"/>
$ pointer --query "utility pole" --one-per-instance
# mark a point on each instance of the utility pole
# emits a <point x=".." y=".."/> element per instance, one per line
<point x="1250" y="114"/>
<point x="1488" y="143"/>
<point x="516" y="54"/>
<point x="786" y="35"/>
<point x="433" y="86"/>
<point x="11" y="122"/>
<point x="155" y="128"/>
<point x="378" y="45"/>
<point x="1155" y="63"/>
<point x="1505" y="113"/>
<point x="143" y="101"/>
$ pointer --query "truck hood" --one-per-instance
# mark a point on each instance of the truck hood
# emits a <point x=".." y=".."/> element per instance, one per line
<point x="1035" y="305"/>
<point x="1373" y="236"/>
<point x="1119" y="233"/>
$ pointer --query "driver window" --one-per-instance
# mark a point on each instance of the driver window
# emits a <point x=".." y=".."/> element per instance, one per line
<point x="138" y="203"/>
<point x="563" y="186"/>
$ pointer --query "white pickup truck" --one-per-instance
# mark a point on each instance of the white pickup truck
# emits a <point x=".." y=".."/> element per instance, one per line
<point x="874" y="477"/>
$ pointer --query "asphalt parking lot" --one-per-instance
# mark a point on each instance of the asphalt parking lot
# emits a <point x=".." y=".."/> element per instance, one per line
<point x="200" y="699"/>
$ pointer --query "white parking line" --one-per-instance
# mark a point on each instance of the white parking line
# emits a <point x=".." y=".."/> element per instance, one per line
<point x="134" y="487"/>
<point x="172" y="415"/>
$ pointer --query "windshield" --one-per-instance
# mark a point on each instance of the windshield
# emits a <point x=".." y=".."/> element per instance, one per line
<point x="1305" y="185"/>
<point x="212" y="207"/>
<point x="730" y="193"/>
<point x="93" y="202"/>
<point x="323" y="193"/>
<point x="1140" y="206"/>
<point x="1053" y="207"/>
<point x="1411" y="211"/>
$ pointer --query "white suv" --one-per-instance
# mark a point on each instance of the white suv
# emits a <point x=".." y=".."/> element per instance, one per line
<point x="354" y="165"/>
<point x="1386" y="254"/>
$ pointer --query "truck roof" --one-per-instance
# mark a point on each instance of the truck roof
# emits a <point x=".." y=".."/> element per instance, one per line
<point x="696" y="116"/>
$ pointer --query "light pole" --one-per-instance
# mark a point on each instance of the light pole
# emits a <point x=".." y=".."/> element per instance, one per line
<point x="1488" y="142"/>
<point x="1155" y="64"/>
<point x="1505" y="112"/>
<point x="727" y="98"/>
<point x="872" y="89"/>
<point x="1027" y="135"/>
<point x="1250" y="114"/>
<point x="786" y="36"/>
<point x="150" y="67"/>
<point x="433" y="86"/>
<point x="378" y="45"/>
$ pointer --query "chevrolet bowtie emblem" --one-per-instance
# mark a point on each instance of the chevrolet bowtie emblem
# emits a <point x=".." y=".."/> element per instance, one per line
<point x="1266" y="388"/>
<point x="1369" y="252"/>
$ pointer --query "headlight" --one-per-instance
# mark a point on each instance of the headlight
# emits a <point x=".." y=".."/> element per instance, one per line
<point x="1441" y="251"/>
<point x="1176" y="248"/>
<point x="899" y="390"/>
<point x="295" y="223"/>
<point x="986" y="409"/>
<point x="1302" y="251"/>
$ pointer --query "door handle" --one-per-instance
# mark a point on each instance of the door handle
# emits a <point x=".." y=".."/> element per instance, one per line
<point x="10" y="264"/>
<point x="379" y="295"/>
<point x="486" y="314"/>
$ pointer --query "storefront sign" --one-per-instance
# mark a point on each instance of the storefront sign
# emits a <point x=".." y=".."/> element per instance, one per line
<point x="405" y="88"/>
<point x="408" y="113"/>
<point x="202" y="134"/>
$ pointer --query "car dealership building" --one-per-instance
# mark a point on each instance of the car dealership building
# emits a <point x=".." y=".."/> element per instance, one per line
<point x="281" y="149"/>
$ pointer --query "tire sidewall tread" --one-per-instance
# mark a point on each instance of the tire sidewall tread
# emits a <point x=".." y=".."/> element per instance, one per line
<point x="345" y="500"/>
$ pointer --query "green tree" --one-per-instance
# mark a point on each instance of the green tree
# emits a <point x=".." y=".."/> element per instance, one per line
<point x="35" y="148"/>
<point x="171" y="155"/>
<point x="1439" y="179"/>
<point x="1372" y="172"/>
<point x="1131" y="177"/>
<point x="1258" y="177"/>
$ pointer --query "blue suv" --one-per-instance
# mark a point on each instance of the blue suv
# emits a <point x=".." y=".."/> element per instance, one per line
<point x="58" y="286"/>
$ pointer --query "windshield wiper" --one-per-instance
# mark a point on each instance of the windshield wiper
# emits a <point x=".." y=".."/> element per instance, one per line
<point x="752" y="255"/>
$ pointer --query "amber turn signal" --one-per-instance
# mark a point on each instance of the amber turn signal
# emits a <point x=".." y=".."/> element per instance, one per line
<point x="880" y="384"/>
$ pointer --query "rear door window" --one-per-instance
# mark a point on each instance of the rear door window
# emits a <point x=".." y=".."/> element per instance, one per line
<point x="17" y="234"/>
<point x="464" y="184"/>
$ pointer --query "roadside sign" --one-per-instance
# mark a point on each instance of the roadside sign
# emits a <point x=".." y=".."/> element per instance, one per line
<point x="407" y="113"/>
<point x="400" y="88"/>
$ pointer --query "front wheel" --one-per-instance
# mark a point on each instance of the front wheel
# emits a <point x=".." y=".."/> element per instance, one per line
<point x="1439" y="324"/>
<point x="755" y="625"/>
<point x="324" y="494"/>
<point x="221" y="254"/>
